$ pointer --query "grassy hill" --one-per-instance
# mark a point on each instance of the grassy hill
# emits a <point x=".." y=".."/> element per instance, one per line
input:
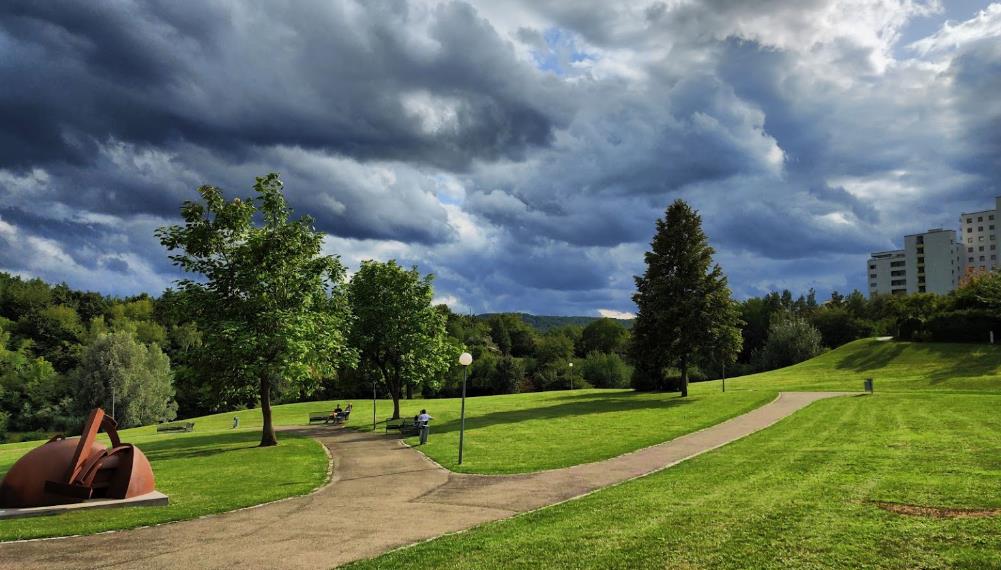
<point x="829" y="487"/>
<point x="894" y="366"/>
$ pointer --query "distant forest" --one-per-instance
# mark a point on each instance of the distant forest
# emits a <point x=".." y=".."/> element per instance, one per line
<point x="546" y="323"/>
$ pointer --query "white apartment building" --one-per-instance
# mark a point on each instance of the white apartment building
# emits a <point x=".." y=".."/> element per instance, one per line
<point x="888" y="273"/>
<point x="929" y="263"/>
<point x="936" y="261"/>
<point x="978" y="237"/>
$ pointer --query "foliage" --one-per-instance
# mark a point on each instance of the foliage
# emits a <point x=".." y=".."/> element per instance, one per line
<point x="605" y="370"/>
<point x="398" y="332"/>
<point x="791" y="339"/>
<point x="685" y="310"/>
<point x="603" y="335"/>
<point x="119" y="373"/>
<point x="268" y="302"/>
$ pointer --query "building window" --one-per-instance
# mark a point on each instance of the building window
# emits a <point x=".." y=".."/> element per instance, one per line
<point x="921" y="289"/>
<point x="971" y="260"/>
<point x="990" y="217"/>
<point x="969" y="220"/>
<point x="872" y="276"/>
<point x="993" y="247"/>
<point x="992" y="237"/>
<point x="969" y="230"/>
<point x="898" y="282"/>
<point x="980" y="218"/>
<point x="990" y="227"/>
<point x="921" y="250"/>
<point x="969" y="250"/>
<point x="981" y="258"/>
<point x="981" y="248"/>
<point x="969" y="240"/>
<point x="994" y="258"/>
<point x="921" y="279"/>
<point x="896" y="264"/>
<point x="872" y="285"/>
<point x="980" y="228"/>
<point x="900" y="273"/>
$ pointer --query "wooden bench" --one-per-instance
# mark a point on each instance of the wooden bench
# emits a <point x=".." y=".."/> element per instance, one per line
<point x="175" y="426"/>
<point x="404" y="425"/>
<point x="328" y="417"/>
<point x="324" y="417"/>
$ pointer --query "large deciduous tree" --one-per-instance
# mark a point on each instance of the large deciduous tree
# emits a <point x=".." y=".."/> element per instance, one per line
<point x="397" y="331"/>
<point x="686" y="313"/>
<point x="269" y="304"/>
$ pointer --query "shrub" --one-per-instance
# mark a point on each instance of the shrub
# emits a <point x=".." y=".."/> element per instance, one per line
<point x="791" y="339"/>
<point x="605" y="370"/>
<point x="969" y="325"/>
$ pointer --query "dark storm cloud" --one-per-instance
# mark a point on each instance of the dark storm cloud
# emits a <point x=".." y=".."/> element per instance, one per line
<point x="316" y="75"/>
<point x="519" y="150"/>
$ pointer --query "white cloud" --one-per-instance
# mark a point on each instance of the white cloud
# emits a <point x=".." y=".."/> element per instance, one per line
<point x="612" y="314"/>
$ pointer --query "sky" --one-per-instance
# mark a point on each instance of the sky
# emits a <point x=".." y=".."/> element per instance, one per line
<point x="519" y="150"/>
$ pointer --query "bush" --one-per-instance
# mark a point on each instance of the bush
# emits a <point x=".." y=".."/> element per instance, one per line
<point x="3" y="426"/>
<point x="605" y="370"/>
<point x="791" y="339"/>
<point x="970" y="325"/>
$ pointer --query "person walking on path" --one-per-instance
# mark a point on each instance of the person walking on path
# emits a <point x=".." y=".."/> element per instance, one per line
<point x="422" y="422"/>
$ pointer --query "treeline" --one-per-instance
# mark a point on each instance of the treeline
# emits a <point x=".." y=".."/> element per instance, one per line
<point x="779" y="330"/>
<point x="63" y="351"/>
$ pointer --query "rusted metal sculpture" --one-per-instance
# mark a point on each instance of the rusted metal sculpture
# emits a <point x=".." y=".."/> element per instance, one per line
<point x="73" y="470"/>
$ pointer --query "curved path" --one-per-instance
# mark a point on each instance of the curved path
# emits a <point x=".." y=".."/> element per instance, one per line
<point x="378" y="490"/>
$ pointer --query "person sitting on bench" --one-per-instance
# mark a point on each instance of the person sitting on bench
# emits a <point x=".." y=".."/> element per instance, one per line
<point x="336" y="415"/>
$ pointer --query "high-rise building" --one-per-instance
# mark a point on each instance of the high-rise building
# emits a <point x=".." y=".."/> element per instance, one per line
<point x="978" y="238"/>
<point x="929" y="263"/>
<point x="937" y="260"/>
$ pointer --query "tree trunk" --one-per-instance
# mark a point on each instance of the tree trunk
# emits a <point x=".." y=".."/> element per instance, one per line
<point x="396" y="403"/>
<point x="684" y="377"/>
<point x="268" y="433"/>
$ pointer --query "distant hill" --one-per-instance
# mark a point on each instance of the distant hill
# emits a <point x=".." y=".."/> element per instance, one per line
<point x="543" y="323"/>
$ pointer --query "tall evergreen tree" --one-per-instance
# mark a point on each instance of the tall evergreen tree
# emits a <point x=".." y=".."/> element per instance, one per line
<point x="686" y="314"/>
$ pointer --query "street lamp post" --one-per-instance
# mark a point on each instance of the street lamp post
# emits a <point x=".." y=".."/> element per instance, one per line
<point x="571" y="375"/>
<point x="465" y="359"/>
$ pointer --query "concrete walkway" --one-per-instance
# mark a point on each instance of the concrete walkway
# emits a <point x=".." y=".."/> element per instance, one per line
<point x="378" y="488"/>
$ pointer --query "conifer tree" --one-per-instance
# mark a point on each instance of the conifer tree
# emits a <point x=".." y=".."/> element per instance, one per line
<point x="686" y="315"/>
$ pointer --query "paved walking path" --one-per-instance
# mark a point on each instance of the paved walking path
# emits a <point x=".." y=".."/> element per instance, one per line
<point x="370" y="506"/>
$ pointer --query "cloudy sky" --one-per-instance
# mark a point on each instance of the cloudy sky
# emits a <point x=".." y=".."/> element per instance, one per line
<point x="519" y="150"/>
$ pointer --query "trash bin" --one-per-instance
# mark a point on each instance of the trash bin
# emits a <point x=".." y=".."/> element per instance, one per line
<point x="868" y="385"/>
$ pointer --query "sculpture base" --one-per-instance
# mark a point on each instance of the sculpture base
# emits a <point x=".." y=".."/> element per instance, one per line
<point x="153" y="499"/>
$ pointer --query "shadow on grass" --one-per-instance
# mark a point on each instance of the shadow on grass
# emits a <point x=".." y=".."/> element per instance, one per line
<point x="936" y="362"/>
<point x="878" y="356"/>
<point x="572" y="409"/>
<point x="198" y="446"/>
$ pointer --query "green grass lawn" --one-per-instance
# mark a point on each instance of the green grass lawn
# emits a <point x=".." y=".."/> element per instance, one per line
<point x="518" y="433"/>
<point x="804" y="493"/>
<point x="894" y="366"/>
<point x="202" y="473"/>
<point x="801" y="494"/>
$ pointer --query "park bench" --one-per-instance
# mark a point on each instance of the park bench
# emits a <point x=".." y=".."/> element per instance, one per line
<point x="327" y="417"/>
<point x="404" y="425"/>
<point x="175" y="426"/>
